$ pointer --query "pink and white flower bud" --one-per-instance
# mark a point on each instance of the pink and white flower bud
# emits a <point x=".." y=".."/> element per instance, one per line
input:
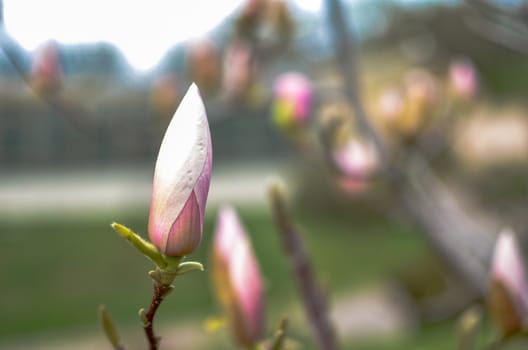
<point x="239" y="71"/>
<point x="292" y="100"/>
<point x="357" y="159"/>
<point x="237" y="278"/>
<point x="391" y="104"/>
<point x="181" y="179"/>
<point x="508" y="297"/>
<point x="46" y="69"/>
<point x="463" y="79"/>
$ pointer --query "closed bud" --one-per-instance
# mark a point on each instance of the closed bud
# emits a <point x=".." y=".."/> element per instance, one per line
<point x="181" y="179"/>
<point x="507" y="295"/>
<point x="165" y="94"/>
<point x="421" y="95"/>
<point x="46" y="70"/>
<point x="292" y="103"/>
<point x="463" y="79"/>
<point x="237" y="279"/>
<point x="239" y="71"/>
<point x="203" y="64"/>
<point x="356" y="161"/>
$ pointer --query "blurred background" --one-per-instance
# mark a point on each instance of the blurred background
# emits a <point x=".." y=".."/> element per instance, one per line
<point x="399" y="126"/>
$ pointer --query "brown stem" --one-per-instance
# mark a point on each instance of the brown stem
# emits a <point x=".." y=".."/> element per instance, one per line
<point x="312" y="295"/>
<point x="160" y="291"/>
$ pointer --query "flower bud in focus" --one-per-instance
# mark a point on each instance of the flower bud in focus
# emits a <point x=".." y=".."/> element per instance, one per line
<point x="181" y="179"/>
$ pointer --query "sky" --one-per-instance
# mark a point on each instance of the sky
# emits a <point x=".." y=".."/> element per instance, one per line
<point x="142" y="29"/>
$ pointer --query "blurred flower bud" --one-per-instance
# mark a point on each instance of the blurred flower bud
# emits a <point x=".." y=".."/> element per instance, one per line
<point x="181" y="179"/>
<point x="46" y="70"/>
<point x="266" y="24"/>
<point x="237" y="278"/>
<point x="421" y="94"/>
<point x="467" y="327"/>
<point x="292" y="102"/>
<point x="238" y="71"/>
<point x="391" y="105"/>
<point x="356" y="161"/>
<point x="507" y="297"/>
<point x="463" y="79"/>
<point x="203" y="62"/>
<point x="165" y="94"/>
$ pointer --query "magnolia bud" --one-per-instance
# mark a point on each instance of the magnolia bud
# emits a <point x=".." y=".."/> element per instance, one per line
<point x="181" y="179"/>
<point x="292" y="100"/>
<point x="165" y="94"/>
<point x="463" y="79"/>
<point x="203" y="60"/>
<point x="239" y="71"/>
<point x="237" y="278"/>
<point x="507" y="297"/>
<point x="391" y="105"/>
<point x="356" y="161"/>
<point x="421" y="95"/>
<point x="46" y="70"/>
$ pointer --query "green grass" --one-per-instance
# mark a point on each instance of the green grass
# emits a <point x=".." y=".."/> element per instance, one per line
<point x="54" y="273"/>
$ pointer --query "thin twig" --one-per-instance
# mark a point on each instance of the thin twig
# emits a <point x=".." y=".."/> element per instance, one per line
<point x="312" y="295"/>
<point x="160" y="291"/>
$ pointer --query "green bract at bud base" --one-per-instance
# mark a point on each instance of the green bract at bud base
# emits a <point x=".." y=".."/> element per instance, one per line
<point x="168" y="267"/>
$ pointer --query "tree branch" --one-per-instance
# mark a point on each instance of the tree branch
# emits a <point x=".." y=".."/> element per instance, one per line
<point x="445" y="222"/>
<point x="313" y="297"/>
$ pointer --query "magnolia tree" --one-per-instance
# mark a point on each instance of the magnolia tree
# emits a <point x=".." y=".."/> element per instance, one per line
<point x="391" y="141"/>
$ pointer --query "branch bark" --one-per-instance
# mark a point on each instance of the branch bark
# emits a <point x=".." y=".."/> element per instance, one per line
<point x="160" y="292"/>
<point x="312" y="295"/>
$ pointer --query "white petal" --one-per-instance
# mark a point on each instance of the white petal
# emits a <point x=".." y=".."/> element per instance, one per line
<point x="181" y="158"/>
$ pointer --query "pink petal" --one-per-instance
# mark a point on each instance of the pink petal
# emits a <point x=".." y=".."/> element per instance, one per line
<point x="185" y="234"/>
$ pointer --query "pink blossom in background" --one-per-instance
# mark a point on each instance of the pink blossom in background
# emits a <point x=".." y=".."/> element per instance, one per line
<point x="356" y="161"/>
<point x="391" y="103"/>
<point x="238" y="279"/>
<point x="292" y="99"/>
<point x="508" y="274"/>
<point x="238" y="70"/>
<point x="356" y="158"/>
<point x="165" y="93"/>
<point x="463" y="79"/>
<point x="46" y="69"/>
<point x="181" y="179"/>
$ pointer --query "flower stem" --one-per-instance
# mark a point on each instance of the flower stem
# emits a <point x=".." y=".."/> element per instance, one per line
<point x="159" y="293"/>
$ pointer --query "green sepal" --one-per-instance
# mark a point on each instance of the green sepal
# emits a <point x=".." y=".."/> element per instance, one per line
<point x="189" y="266"/>
<point x="146" y="248"/>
